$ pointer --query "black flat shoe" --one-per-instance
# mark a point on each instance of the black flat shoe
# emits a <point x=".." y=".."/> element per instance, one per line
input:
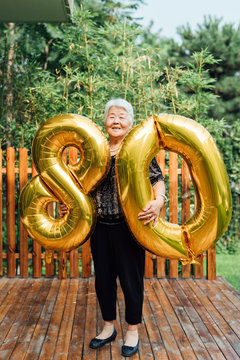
<point x="98" y="343"/>
<point x="129" y="350"/>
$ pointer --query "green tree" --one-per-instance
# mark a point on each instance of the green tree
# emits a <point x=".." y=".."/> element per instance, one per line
<point x="27" y="49"/>
<point x="223" y="42"/>
<point x="103" y="53"/>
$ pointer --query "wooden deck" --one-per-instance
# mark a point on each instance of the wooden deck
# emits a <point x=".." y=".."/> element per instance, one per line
<point x="55" y="319"/>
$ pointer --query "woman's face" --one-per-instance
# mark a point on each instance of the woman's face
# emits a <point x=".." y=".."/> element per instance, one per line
<point x="117" y="123"/>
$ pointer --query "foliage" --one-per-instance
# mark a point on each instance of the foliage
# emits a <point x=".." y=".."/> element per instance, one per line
<point x="230" y="145"/>
<point x="109" y="61"/>
<point x="222" y="117"/>
<point x="223" y="42"/>
<point x="103" y="53"/>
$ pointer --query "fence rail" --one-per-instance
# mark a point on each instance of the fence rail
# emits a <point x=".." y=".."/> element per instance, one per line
<point x="22" y="256"/>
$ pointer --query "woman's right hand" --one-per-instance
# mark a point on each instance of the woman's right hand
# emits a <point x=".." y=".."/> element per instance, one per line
<point x="63" y="209"/>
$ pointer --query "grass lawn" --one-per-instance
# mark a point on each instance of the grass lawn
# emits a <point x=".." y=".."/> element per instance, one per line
<point x="228" y="266"/>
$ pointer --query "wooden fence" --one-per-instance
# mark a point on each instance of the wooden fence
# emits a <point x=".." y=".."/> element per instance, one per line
<point x="22" y="256"/>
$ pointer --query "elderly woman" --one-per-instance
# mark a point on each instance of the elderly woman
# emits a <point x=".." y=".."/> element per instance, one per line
<point x="115" y="252"/>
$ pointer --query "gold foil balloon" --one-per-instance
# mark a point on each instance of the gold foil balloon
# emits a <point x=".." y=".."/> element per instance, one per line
<point x="213" y="209"/>
<point x="69" y="184"/>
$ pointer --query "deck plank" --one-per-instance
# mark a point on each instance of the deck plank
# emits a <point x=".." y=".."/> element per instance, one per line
<point x="200" y="327"/>
<point x="219" y="321"/>
<point x="56" y="319"/>
<point x="64" y="335"/>
<point x="6" y="288"/>
<point x="229" y="292"/>
<point x="9" y="294"/>
<point x="10" y="308"/>
<point x="40" y="330"/>
<point x="91" y="322"/>
<point x="223" y="305"/>
<point x="208" y="321"/>
<point x="164" y="328"/>
<point x="177" y="330"/>
<point x="189" y="329"/>
<point x="150" y="322"/>
<point x="3" y="282"/>
<point x="77" y="339"/>
<point x="31" y="318"/>
<point x="19" y="321"/>
<point x="224" y="310"/>
<point x="145" y="348"/>
<point x="48" y="348"/>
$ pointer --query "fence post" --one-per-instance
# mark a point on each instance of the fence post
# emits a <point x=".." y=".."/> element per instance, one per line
<point x="161" y="261"/>
<point x="11" y="271"/>
<point x="62" y="265"/>
<point x="211" y="263"/>
<point x="23" y="177"/>
<point x="198" y="268"/>
<point x="173" y="204"/>
<point x="186" y="269"/>
<point x="73" y="158"/>
<point x="1" y="243"/>
<point x="50" y="266"/>
<point x="148" y="264"/>
<point x="86" y="259"/>
<point x="36" y="252"/>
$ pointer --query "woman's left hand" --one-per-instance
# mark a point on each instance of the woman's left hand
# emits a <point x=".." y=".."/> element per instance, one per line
<point x="151" y="211"/>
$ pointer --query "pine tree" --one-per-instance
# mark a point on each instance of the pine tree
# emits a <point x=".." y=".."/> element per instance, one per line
<point x="223" y="42"/>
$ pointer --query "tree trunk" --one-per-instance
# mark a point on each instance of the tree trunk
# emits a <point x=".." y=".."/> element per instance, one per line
<point x="9" y="97"/>
<point x="46" y="53"/>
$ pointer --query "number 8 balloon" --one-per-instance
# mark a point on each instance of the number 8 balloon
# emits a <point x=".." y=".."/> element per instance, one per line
<point x="69" y="184"/>
<point x="213" y="207"/>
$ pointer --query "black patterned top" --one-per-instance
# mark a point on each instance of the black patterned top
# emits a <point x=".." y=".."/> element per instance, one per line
<point x="106" y="195"/>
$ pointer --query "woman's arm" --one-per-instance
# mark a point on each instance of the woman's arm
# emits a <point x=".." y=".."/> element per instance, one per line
<point x="152" y="211"/>
<point x="159" y="190"/>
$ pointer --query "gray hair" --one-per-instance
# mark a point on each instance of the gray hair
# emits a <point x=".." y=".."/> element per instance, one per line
<point x="120" y="103"/>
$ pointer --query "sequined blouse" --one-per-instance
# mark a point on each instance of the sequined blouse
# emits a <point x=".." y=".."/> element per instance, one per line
<point x="106" y="194"/>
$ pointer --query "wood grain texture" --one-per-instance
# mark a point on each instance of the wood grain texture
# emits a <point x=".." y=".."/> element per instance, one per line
<point x="86" y="259"/>
<point x="56" y="319"/>
<point x="36" y="252"/>
<point x="148" y="264"/>
<point x="1" y="214"/>
<point x="62" y="265"/>
<point x="186" y="269"/>
<point x="23" y="178"/>
<point x="198" y="268"/>
<point x="173" y="204"/>
<point x="211" y="263"/>
<point x="10" y="170"/>
<point x="74" y="272"/>
<point x="161" y="262"/>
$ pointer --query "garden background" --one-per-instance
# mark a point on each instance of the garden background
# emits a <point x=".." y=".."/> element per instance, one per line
<point x="47" y="69"/>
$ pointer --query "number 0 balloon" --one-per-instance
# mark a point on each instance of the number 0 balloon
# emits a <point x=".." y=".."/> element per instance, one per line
<point x="213" y="209"/>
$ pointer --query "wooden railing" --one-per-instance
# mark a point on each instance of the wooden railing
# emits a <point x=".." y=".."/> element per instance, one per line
<point x="22" y="256"/>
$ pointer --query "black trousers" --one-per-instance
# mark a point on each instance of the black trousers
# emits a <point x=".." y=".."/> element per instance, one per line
<point x="117" y="254"/>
